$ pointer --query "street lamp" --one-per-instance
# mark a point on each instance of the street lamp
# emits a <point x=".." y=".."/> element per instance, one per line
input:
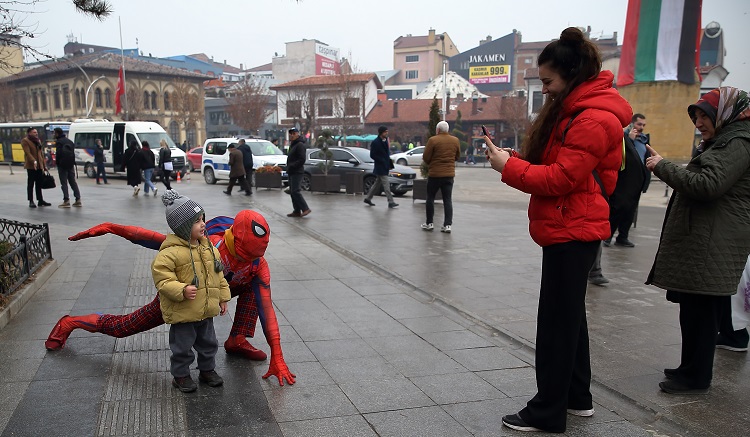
<point x="88" y="90"/>
<point x="88" y="79"/>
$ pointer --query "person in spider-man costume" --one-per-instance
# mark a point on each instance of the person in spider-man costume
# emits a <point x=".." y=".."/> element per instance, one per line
<point x="242" y="242"/>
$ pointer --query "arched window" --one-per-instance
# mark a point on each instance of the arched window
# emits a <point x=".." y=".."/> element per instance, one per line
<point x="167" y="107"/>
<point x="83" y="98"/>
<point x="107" y="98"/>
<point x="153" y="100"/>
<point x="190" y="134"/>
<point x="98" y="98"/>
<point x="146" y="99"/>
<point x="174" y="131"/>
<point x="78" y="98"/>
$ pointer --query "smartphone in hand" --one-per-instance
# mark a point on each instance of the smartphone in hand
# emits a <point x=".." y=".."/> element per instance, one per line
<point x="485" y="131"/>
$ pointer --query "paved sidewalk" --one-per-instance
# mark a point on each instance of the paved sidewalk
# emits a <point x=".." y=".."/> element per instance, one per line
<point x="390" y="330"/>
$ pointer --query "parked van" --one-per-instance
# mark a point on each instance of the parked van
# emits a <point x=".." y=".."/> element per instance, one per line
<point x="115" y="136"/>
<point x="215" y="162"/>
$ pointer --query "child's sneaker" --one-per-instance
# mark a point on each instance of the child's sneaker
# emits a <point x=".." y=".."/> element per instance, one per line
<point x="185" y="384"/>
<point x="427" y="226"/>
<point x="211" y="378"/>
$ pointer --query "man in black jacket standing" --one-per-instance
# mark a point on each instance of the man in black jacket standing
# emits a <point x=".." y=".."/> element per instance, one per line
<point x="247" y="162"/>
<point x="99" y="161"/>
<point x="66" y="162"/>
<point x="295" y="167"/>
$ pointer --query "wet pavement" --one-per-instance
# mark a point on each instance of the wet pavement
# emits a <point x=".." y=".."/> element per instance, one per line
<point x="390" y="330"/>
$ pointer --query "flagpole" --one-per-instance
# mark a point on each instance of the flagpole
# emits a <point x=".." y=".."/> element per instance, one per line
<point x="122" y="59"/>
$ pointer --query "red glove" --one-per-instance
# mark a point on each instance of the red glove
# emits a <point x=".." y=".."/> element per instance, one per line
<point x="136" y="235"/>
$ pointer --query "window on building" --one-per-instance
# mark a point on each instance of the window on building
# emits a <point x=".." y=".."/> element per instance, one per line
<point x="146" y="99"/>
<point x="412" y="58"/>
<point x="43" y="99"/>
<point x="174" y="131"/>
<point x="167" y="106"/>
<point x="294" y="108"/>
<point x="465" y="65"/>
<point x="78" y="98"/>
<point x="107" y="98"/>
<point x="325" y="108"/>
<point x="66" y="97"/>
<point x="56" y="98"/>
<point x="35" y="101"/>
<point x="191" y="133"/>
<point x="412" y="74"/>
<point x="98" y="98"/>
<point x="537" y="99"/>
<point x="153" y="100"/>
<point x="528" y="60"/>
<point x="351" y="106"/>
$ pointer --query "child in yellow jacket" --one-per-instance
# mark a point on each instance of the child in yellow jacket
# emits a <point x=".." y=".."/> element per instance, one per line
<point x="192" y="290"/>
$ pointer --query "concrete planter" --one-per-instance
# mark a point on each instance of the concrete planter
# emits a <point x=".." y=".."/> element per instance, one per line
<point x="267" y="180"/>
<point x="330" y="183"/>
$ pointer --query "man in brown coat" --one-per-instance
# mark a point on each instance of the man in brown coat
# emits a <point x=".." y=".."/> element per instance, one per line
<point x="237" y="171"/>
<point x="34" y="165"/>
<point x="440" y="154"/>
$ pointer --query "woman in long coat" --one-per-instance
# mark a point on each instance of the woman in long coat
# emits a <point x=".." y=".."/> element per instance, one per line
<point x="133" y="162"/>
<point x="705" y="238"/>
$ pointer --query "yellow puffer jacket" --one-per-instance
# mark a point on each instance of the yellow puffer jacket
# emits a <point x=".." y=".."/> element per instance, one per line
<point x="172" y="270"/>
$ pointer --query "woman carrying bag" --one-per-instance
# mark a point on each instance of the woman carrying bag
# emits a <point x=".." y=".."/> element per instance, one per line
<point x="165" y="163"/>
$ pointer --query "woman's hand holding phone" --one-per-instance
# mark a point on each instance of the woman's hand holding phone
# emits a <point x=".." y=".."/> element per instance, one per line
<point x="496" y="156"/>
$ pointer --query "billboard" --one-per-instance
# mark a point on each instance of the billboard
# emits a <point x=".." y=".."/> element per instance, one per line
<point x="489" y="66"/>
<point x="489" y="74"/>
<point x="326" y="60"/>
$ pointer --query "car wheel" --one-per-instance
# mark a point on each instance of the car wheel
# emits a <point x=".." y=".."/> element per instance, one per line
<point x="398" y="193"/>
<point x="402" y="161"/>
<point x="369" y="182"/>
<point x="208" y="176"/>
<point x="305" y="185"/>
<point x="90" y="170"/>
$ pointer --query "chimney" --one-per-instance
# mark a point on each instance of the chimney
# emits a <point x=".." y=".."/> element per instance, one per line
<point x="395" y="109"/>
<point x="474" y="103"/>
<point x="241" y="67"/>
<point x="431" y="37"/>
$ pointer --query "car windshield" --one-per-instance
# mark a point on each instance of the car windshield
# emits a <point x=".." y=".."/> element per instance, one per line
<point x="361" y="154"/>
<point x="154" y="139"/>
<point x="262" y="148"/>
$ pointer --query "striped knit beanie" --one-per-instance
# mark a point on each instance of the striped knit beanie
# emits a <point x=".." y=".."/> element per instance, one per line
<point x="181" y="213"/>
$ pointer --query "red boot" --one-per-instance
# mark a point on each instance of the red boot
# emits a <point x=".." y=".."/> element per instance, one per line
<point x="239" y="345"/>
<point x="65" y="326"/>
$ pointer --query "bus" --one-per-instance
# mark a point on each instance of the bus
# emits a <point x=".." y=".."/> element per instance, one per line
<point x="11" y="135"/>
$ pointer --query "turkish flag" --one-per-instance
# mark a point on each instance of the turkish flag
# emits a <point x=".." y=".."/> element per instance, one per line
<point x="119" y="92"/>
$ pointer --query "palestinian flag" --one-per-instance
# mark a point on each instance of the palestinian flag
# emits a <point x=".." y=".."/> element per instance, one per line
<point x="661" y="42"/>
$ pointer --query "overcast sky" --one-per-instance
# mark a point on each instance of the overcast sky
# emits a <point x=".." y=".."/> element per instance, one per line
<point x="249" y="32"/>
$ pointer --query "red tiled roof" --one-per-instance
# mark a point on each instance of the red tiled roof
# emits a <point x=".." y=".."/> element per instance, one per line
<point x="418" y="110"/>
<point x="264" y="67"/>
<point x="326" y="80"/>
<point x="404" y="42"/>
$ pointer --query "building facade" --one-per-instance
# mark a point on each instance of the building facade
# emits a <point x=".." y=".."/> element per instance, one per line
<point x="420" y="58"/>
<point x="489" y="66"/>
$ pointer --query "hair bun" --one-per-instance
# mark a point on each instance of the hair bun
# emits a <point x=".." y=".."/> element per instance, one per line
<point x="572" y="36"/>
<point x="169" y="197"/>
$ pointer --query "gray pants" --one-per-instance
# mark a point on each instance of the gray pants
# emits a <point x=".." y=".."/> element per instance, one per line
<point x="596" y="269"/>
<point x="381" y="181"/>
<point x="68" y="176"/>
<point x="183" y="338"/>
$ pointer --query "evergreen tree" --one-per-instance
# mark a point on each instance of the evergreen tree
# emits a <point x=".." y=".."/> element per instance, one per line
<point x="458" y="132"/>
<point x="434" y="118"/>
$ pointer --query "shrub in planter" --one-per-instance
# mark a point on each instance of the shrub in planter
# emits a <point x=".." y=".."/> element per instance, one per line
<point x="268" y="176"/>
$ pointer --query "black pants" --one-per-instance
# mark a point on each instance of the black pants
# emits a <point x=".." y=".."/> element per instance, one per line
<point x="242" y="182"/>
<point x="34" y="183"/>
<point x="700" y="320"/>
<point x="166" y="177"/>
<point x="445" y="185"/>
<point x="295" y="187"/>
<point x="621" y="218"/>
<point x="563" y="368"/>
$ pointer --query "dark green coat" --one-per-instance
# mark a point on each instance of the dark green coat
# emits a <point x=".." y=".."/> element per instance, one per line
<point x="705" y="239"/>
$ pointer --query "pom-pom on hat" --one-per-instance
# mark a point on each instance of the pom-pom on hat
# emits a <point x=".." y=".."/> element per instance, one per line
<point x="181" y="213"/>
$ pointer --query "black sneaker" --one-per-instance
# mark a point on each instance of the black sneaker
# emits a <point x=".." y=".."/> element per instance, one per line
<point x="514" y="421"/>
<point x="43" y="203"/>
<point x="393" y="205"/>
<point x="227" y="193"/>
<point x="32" y="205"/>
<point x="732" y="344"/>
<point x="608" y="242"/>
<point x="672" y="373"/>
<point x="369" y="202"/>
<point x="624" y="242"/>
<point x="211" y="378"/>
<point x="678" y="388"/>
<point x="185" y="384"/>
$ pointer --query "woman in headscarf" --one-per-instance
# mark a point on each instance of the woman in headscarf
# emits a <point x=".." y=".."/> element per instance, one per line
<point x="132" y="160"/>
<point x="705" y="238"/>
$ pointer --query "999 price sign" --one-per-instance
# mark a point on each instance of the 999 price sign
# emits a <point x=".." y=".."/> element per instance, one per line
<point x="489" y="74"/>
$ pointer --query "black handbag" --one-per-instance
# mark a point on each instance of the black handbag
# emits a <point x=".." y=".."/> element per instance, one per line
<point x="48" y="181"/>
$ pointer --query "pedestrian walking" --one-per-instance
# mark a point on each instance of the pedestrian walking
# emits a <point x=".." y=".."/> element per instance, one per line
<point x="190" y="297"/>
<point x="705" y="237"/>
<point x="381" y="155"/>
<point x="247" y="162"/>
<point x="99" y="160"/>
<point x="440" y="154"/>
<point x="470" y="154"/>
<point x="570" y="158"/>
<point x="132" y="162"/>
<point x="33" y="162"/>
<point x="149" y="165"/>
<point x="237" y="171"/>
<point x="295" y="167"/>
<point x="65" y="151"/>
<point x="165" y="164"/>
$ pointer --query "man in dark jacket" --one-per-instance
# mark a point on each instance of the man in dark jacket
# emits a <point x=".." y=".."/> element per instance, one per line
<point x="236" y="171"/>
<point x="380" y="153"/>
<point x="99" y="161"/>
<point x="66" y="161"/>
<point x="247" y="162"/>
<point x="295" y="167"/>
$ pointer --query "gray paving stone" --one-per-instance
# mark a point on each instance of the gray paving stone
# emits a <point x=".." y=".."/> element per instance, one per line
<point x="455" y="388"/>
<point x="308" y="374"/>
<point x="422" y="325"/>
<point x="426" y="363"/>
<point x="484" y="418"/>
<point x="488" y="358"/>
<point x="416" y="422"/>
<point x="347" y="426"/>
<point x="454" y="340"/>
<point x="384" y="395"/>
<point x="513" y="382"/>
<point x="360" y="369"/>
<point x="17" y="370"/>
<point x="328" y="350"/>
<point x="401" y="306"/>
<point x="56" y="367"/>
<point x="314" y="402"/>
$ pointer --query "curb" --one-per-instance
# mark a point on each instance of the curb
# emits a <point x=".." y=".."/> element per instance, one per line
<point x="25" y="293"/>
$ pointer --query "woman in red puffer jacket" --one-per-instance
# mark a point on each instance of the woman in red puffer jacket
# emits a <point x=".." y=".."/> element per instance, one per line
<point x="575" y="140"/>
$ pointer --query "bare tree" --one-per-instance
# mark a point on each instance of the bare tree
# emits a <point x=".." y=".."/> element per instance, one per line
<point x="300" y="107"/>
<point x="187" y="107"/>
<point x="513" y="111"/>
<point x="248" y="104"/>
<point x="133" y="105"/>
<point x="13" y="27"/>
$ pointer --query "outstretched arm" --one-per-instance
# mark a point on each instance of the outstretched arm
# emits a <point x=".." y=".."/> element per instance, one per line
<point x="261" y="285"/>
<point x="137" y="235"/>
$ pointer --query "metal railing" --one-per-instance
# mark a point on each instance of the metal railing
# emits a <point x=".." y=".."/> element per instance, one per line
<point x="31" y="248"/>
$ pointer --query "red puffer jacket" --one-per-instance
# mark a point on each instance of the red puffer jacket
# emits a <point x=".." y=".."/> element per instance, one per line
<point x="566" y="201"/>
